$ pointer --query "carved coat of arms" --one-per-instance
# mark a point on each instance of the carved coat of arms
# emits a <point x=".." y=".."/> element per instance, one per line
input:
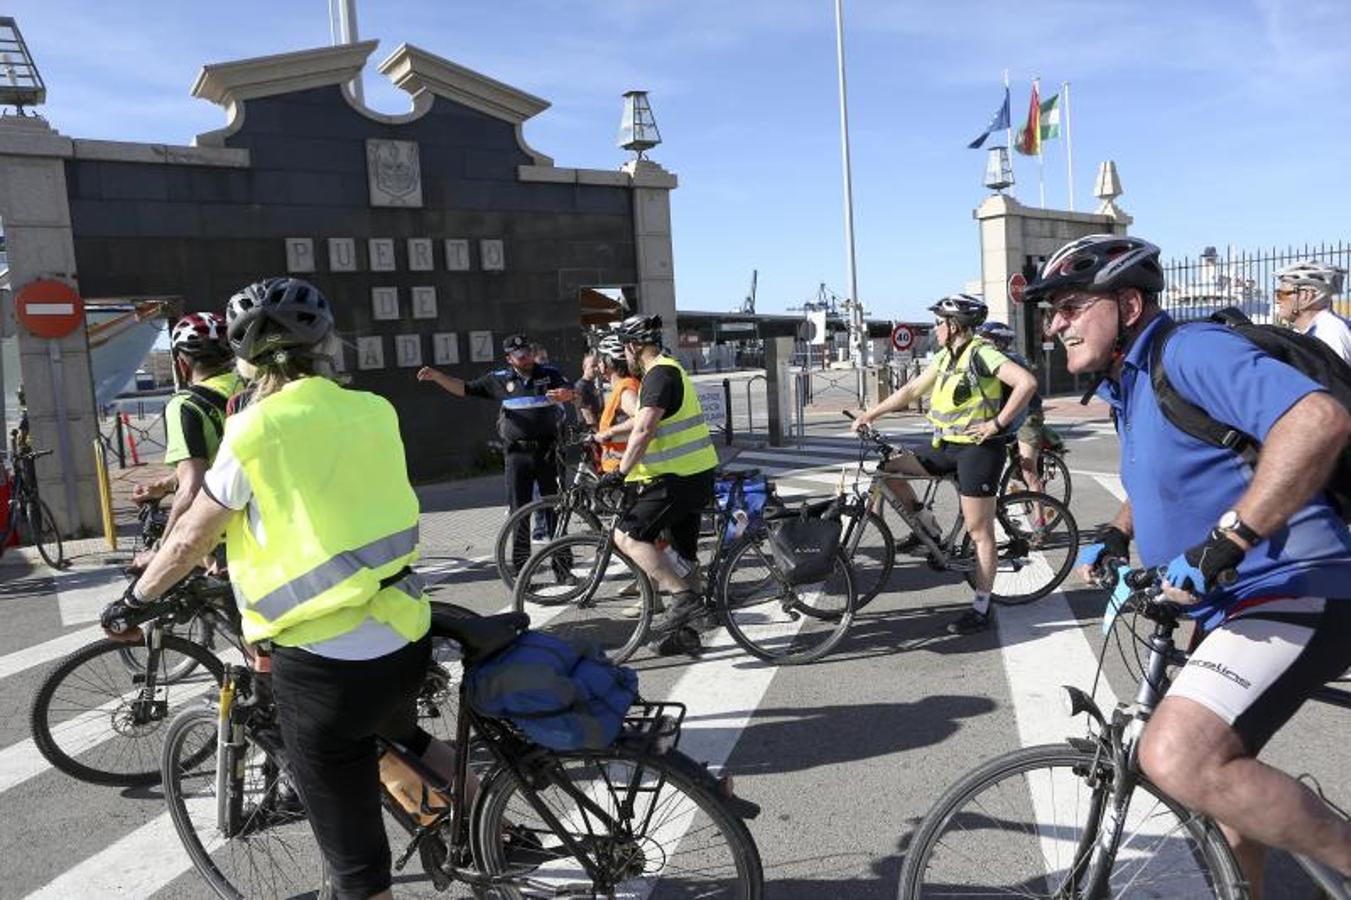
<point x="394" y="173"/>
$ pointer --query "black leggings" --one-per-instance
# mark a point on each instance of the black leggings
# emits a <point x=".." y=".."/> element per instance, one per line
<point x="330" y="711"/>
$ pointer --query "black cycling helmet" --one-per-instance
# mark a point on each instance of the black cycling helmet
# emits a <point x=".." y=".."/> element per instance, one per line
<point x="277" y="314"/>
<point x="964" y="309"/>
<point x="999" y="332"/>
<point x="639" y="329"/>
<point x="1101" y="263"/>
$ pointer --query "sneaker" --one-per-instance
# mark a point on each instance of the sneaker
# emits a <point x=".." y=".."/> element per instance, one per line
<point x="971" y="622"/>
<point x="684" y="606"/>
<point x="681" y="642"/>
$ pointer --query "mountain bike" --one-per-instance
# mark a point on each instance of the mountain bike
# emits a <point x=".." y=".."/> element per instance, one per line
<point x="578" y="507"/>
<point x="101" y="714"/>
<point x="1036" y="535"/>
<point x="620" y="821"/>
<point x="28" y="515"/>
<point x="1080" y="819"/>
<point x="608" y="600"/>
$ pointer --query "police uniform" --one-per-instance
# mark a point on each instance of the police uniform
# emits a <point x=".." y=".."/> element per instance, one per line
<point x="528" y="423"/>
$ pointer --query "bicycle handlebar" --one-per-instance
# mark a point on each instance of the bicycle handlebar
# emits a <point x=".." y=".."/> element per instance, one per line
<point x="1145" y="584"/>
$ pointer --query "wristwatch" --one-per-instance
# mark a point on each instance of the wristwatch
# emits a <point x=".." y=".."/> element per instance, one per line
<point x="1232" y="523"/>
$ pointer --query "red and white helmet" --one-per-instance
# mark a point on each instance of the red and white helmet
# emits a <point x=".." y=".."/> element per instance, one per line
<point x="200" y="336"/>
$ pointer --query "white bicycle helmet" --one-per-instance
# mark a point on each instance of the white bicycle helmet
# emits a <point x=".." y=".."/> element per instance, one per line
<point x="1324" y="279"/>
<point x="201" y="336"/>
<point x="611" y="347"/>
<point x="964" y="309"/>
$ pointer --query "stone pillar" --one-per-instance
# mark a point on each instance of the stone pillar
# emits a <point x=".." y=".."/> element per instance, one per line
<point x="57" y="383"/>
<point x="779" y="389"/>
<point x="1014" y="238"/>
<point x="652" y="186"/>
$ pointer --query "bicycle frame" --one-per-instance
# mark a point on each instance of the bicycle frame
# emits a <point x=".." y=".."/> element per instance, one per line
<point x="530" y="764"/>
<point x="1119" y="740"/>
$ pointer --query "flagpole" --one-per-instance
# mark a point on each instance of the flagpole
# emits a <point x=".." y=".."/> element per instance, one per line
<point x="1041" y="157"/>
<point x="1069" y="142"/>
<point x="1008" y="132"/>
<point x="857" y="338"/>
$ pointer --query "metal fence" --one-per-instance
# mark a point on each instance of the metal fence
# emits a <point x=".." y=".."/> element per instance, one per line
<point x="1199" y="286"/>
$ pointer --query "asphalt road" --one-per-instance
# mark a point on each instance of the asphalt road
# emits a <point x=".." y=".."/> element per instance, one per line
<point x="844" y="756"/>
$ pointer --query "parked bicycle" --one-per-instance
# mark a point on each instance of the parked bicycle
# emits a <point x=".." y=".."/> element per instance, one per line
<point x="609" y="601"/>
<point x="28" y="515"/>
<point x="100" y="715"/>
<point x="1080" y="819"/>
<point x="614" y="822"/>
<point x="578" y="507"/>
<point x="1036" y="535"/>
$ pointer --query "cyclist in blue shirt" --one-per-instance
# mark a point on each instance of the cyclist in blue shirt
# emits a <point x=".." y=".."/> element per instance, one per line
<point x="1283" y="627"/>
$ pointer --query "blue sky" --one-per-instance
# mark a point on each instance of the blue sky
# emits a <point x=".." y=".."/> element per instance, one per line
<point x="1228" y="120"/>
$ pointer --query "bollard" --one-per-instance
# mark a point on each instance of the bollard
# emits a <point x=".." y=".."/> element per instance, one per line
<point x="135" y="458"/>
<point x="727" y="403"/>
<point x="121" y="441"/>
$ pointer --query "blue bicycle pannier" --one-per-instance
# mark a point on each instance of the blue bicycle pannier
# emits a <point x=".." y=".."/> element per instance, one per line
<point x="561" y="697"/>
<point x="748" y="495"/>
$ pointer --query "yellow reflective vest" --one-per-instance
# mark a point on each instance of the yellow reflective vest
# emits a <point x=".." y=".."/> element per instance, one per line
<point x="961" y="396"/>
<point x="682" y="444"/>
<point x="339" y="518"/>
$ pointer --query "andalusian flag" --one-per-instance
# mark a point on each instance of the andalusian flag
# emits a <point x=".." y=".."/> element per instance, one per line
<point x="1043" y="124"/>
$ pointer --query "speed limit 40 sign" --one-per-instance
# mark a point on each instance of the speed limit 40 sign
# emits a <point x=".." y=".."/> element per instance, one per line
<point x="902" y="338"/>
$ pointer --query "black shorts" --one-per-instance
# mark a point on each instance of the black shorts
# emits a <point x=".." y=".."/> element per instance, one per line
<point x="978" y="466"/>
<point x="673" y="502"/>
<point x="329" y="711"/>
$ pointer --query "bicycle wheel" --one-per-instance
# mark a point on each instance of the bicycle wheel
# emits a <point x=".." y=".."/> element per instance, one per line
<point x="1033" y="559"/>
<point x="780" y="622"/>
<point x="1025" y="823"/>
<point x="198" y="632"/>
<point x="39" y="530"/>
<point x="570" y="520"/>
<point x="872" y="556"/>
<point x="1055" y="478"/>
<point x="275" y="853"/>
<point x="581" y="588"/>
<point x="89" y="720"/>
<point x="651" y="825"/>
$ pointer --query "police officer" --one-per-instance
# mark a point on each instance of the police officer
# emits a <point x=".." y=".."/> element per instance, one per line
<point x="528" y="422"/>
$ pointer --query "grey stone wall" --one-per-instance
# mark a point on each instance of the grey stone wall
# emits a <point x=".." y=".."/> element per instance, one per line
<point x="203" y="231"/>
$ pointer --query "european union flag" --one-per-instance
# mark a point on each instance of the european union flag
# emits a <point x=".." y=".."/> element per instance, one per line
<point x="998" y="121"/>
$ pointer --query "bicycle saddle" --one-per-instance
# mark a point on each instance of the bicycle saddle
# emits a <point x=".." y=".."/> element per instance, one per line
<point x="737" y="474"/>
<point x="478" y="636"/>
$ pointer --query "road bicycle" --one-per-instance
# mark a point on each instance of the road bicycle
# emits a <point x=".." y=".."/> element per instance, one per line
<point x="28" y="515"/>
<point x="609" y="601"/>
<point x="1079" y="819"/>
<point x="578" y="507"/>
<point x="1051" y="468"/>
<point x="100" y="715"/>
<point x="621" y="821"/>
<point x="1036" y="535"/>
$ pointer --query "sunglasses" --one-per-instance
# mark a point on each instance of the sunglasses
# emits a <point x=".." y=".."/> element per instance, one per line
<point x="1071" y="308"/>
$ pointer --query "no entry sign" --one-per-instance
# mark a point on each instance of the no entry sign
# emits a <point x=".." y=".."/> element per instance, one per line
<point x="902" y="337"/>
<point x="49" y="308"/>
<point x="1017" y="285"/>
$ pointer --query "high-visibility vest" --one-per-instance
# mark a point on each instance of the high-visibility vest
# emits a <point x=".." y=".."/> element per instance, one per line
<point x="682" y="444"/>
<point x="612" y="451"/>
<point x="330" y="487"/>
<point x="961" y="397"/>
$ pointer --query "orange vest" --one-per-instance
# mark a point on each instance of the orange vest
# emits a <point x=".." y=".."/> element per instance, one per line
<point x="612" y="451"/>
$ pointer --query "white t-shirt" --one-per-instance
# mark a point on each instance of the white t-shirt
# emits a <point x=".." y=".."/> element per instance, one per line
<point x="1332" y="330"/>
<point x="227" y="484"/>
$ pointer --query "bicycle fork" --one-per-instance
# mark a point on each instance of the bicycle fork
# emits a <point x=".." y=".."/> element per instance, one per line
<point x="229" y="760"/>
